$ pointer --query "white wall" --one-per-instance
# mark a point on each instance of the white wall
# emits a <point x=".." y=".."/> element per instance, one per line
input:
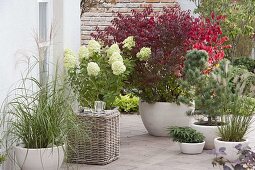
<point x="70" y="23"/>
<point x="19" y="25"/>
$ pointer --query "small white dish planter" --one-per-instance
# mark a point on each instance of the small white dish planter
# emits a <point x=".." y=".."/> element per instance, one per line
<point x="39" y="159"/>
<point x="157" y="117"/>
<point x="231" y="151"/>
<point x="209" y="132"/>
<point x="192" y="148"/>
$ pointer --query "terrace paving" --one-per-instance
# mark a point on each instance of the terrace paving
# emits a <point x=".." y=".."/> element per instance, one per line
<point x="140" y="151"/>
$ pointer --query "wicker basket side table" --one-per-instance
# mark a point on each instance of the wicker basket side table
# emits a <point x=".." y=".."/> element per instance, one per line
<point x="103" y="143"/>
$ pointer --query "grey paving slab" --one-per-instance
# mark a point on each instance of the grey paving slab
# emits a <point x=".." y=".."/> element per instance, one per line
<point x="140" y="151"/>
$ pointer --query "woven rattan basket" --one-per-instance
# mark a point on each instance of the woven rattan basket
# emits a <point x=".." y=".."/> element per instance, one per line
<point x="103" y="142"/>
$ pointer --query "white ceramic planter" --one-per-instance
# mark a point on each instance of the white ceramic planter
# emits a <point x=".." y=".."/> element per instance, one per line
<point x="210" y="133"/>
<point x="231" y="152"/>
<point x="157" y="117"/>
<point x="192" y="148"/>
<point x="39" y="159"/>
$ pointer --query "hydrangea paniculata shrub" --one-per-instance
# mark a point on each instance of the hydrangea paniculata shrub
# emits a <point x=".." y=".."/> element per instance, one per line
<point x="100" y="73"/>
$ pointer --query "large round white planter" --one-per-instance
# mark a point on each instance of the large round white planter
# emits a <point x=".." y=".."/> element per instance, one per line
<point x="210" y="133"/>
<point x="192" y="148"/>
<point x="157" y="117"/>
<point x="39" y="159"/>
<point x="231" y="153"/>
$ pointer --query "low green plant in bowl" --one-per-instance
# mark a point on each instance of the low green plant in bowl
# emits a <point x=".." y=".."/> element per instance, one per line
<point x="185" y="135"/>
<point x="127" y="103"/>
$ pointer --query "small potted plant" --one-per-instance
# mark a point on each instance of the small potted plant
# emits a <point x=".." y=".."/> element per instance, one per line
<point x="190" y="141"/>
<point x="238" y="124"/>
<point x="234" y="89"/>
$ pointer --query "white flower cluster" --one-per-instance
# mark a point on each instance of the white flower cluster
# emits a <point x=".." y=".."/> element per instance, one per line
<point x="129" y="43"/>
<point x="115" y="57"/>
<point x="94" y="46"/>
<point x="83" y="53"/>
<point x="116" y="60"/>
<point x="69" y="59"/>
<point x="118" y="68"/>
<point x="114" y="48"/>
<point x="144" y="54"/>
<point x="93" y="69"/>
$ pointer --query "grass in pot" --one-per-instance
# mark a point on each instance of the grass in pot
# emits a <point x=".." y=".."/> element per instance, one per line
<point x="190" y="141"/>
<point x="39" y="117"/>
<point x="238" y="125"/>
<point x="237" y="108"/>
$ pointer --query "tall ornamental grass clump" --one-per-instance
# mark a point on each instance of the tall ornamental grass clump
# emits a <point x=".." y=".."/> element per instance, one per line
<point x="39" y="115"/>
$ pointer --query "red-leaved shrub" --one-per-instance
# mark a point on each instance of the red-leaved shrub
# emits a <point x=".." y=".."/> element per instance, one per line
<point x="169" y="34"/>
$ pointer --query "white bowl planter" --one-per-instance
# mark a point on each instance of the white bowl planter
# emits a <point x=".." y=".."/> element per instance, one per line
<point x="210" y="133"/>
<point x="39" y="159"/>
<point x="157" y="117"/>
<point x="192" y="148"/>
<point x="231" y="151"/>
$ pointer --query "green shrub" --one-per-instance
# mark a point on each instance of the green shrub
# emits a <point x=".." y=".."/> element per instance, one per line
<point x="246" y="62"/>
<point x="127" y="103"/>
<point x="185" y="135"/>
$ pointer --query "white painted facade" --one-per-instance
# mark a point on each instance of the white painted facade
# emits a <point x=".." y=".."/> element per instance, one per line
<point x="20" y="24"/>
<point x="18" y="28"/>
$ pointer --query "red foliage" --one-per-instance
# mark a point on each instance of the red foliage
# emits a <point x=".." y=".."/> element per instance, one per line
<point x="206" y="35"/>
<point x="170" y="35"/>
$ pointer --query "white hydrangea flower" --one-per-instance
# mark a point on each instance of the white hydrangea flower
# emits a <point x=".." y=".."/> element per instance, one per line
<point x="93" y="69"/>
<point x="94" y="46"/>
<point x="83" y="53"/>
<point x="113" y="48"/>
<point x="144" y="54"/>
<point x="69" y="59"/>
<point x="115" y="57"/>
<point x="118" y="68"/>
<point x="129" y="43"/>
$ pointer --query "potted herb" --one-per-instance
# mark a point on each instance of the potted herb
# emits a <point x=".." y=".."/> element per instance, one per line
<point x="157" y="81"/>
<point x="39" y="118"/>
<point x="190" y="141"/>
